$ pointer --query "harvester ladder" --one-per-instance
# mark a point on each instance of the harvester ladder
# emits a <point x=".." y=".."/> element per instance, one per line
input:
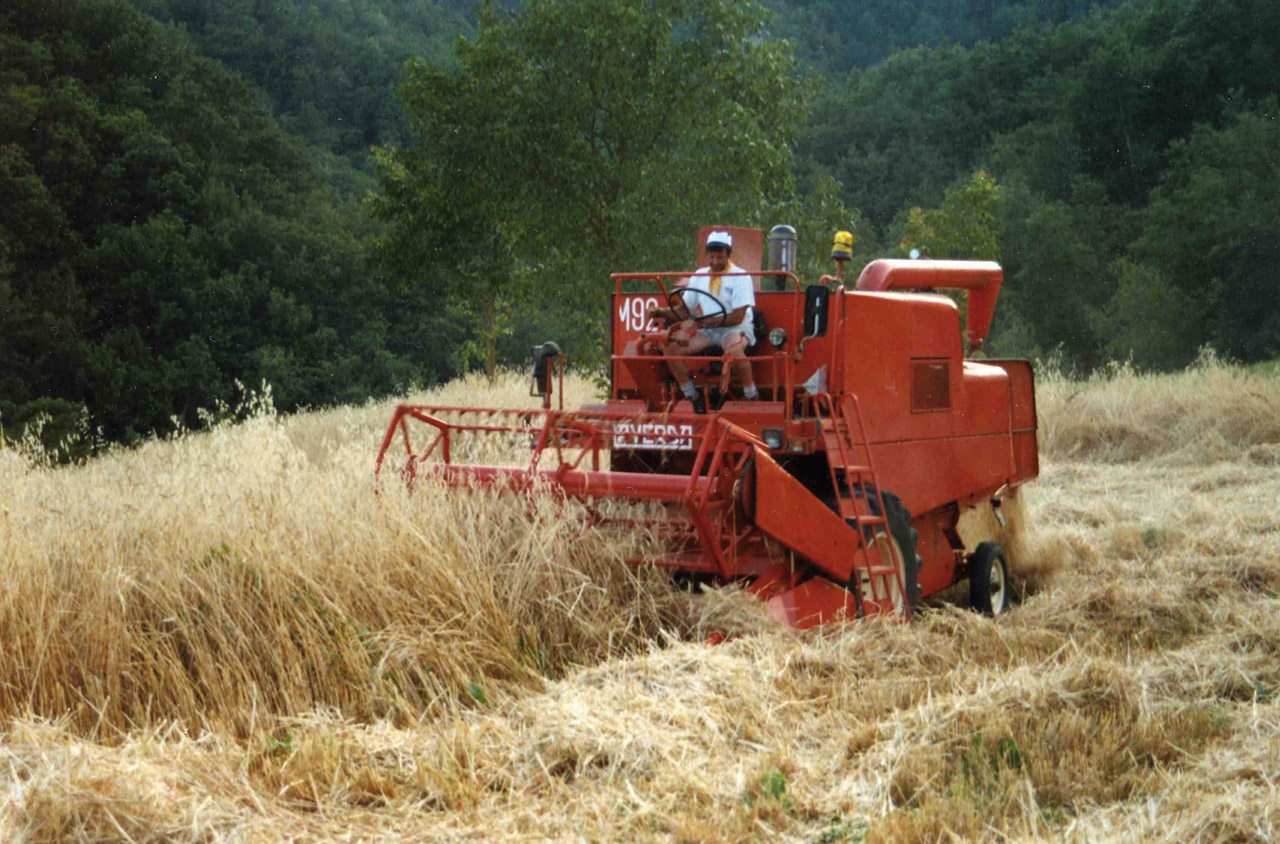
<point x="877" y="579"/>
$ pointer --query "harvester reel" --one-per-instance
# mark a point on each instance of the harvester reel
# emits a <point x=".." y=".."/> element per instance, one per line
<point x="676" y="297"/>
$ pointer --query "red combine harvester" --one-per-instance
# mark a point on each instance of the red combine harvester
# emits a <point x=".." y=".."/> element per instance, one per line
<point x="834" y="495"/>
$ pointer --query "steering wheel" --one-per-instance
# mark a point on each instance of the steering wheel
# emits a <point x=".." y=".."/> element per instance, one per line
<point x="676" y="297"/>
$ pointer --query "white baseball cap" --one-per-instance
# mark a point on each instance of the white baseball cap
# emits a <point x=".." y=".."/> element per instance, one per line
<point x="720" y="239"/>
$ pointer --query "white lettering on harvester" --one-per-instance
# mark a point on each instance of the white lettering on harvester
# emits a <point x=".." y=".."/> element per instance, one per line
<point x="634" y="313"/>
<point x="655" y="435"/>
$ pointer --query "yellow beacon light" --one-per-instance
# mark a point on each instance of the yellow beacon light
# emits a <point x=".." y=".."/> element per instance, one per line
<point x="842" y="249"/>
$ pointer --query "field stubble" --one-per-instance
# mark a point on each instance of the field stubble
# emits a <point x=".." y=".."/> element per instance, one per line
<point x="228" y="636"/>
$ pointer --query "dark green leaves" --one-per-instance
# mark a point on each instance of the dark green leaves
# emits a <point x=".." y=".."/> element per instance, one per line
<point x="581" y="137"/>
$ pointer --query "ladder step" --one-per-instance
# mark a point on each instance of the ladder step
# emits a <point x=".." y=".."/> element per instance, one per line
<point x="859" y="495"/>
<point x="861" y="520"/>
<point x="880" y="571"/>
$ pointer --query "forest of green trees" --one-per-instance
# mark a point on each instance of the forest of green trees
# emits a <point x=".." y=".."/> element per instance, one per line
<point x="343" y="198"/>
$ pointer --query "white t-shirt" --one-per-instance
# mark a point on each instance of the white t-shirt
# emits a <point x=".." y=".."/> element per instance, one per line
<point x="734" y="290"/>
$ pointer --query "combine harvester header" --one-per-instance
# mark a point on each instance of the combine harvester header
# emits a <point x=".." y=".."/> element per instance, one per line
<point x="835" y="494"/>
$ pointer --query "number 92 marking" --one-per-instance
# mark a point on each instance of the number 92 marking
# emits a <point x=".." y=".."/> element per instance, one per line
<point x="632" y="313"/>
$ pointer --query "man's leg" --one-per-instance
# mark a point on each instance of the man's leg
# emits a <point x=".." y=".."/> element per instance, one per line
<point x="735" y="346"/>
<point x="681" y="347"/>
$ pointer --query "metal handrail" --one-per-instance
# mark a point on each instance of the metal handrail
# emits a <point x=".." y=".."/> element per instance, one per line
<point x="658" y="276"/>
<point x="797" y="317"/>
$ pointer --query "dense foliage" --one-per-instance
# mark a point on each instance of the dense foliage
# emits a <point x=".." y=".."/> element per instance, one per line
<point x="835" y="36"/>
<point x="1135" y="152"/>
<point x="581" y="137"/>
<point x="329" y="67"/>
<point x="163" y="237"/>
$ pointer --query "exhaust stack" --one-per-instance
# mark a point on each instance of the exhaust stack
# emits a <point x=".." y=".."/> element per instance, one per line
<point x="782" y="252"/>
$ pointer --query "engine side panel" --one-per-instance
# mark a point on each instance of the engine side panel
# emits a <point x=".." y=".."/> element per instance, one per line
<point x="942" y="429"/>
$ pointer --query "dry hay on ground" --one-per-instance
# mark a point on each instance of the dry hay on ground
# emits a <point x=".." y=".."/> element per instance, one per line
<point x="227" y="637"/>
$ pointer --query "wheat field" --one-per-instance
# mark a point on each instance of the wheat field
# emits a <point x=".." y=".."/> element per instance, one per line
<point x="227" y="636"/>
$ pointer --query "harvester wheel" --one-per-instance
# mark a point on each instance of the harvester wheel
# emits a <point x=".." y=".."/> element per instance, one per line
<point x="905" y="535"/>
<point x="988" y="580"/>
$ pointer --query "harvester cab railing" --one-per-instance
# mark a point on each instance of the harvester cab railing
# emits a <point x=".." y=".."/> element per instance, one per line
<point x="639" y="366"/>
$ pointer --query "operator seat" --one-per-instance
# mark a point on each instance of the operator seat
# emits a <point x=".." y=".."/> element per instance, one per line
<point x="758" y="327"/>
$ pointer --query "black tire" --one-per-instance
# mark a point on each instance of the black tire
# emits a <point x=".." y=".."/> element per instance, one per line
<point x="905" y="535"/>
<point x="989" y="588"/>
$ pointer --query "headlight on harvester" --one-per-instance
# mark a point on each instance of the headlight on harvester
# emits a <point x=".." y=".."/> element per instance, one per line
<point x="778" y="337"/>
<point x="772" y="437"/>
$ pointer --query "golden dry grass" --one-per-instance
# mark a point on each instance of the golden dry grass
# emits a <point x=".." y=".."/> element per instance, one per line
<point x="228" y="637"/>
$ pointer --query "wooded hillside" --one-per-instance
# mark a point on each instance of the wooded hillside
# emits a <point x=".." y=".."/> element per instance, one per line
<point x="1134" y="153"/>
<point x="162" y="239"/>
<point x="339" y="199"/>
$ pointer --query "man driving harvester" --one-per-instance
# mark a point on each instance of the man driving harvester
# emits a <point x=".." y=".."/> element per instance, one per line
<point x="714" y="308"/>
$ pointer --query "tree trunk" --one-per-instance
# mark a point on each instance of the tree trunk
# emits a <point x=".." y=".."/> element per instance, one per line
<point x="490" y="342"/>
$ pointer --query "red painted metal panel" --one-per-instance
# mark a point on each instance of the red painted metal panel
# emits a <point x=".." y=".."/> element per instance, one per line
<point x="638" y="486"/>
<point x="928" y="459"/>
<point x="1026" y="454"/>
<point x="930" y="385"/>
<point x="982" y="279"/>
<point x="747" y="247"/>
<point x="788" y="512"/>
<point x="928" y="474"/>
<point x="986" y="400"/>
<point x="1021" y="390"/>
<point x="881" y="335"/>
<point x="938" y="557"/>
<point x="814" y="602"/>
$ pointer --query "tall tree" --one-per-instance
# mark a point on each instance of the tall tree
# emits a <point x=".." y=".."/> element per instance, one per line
<point x="834" y="36"/>
<point x="161" y="238"/>
<point x="329" y="67"/>
<point x="1213" y="229"/>
<point x="578" y="136"/>
<point x="964" y="227"/>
